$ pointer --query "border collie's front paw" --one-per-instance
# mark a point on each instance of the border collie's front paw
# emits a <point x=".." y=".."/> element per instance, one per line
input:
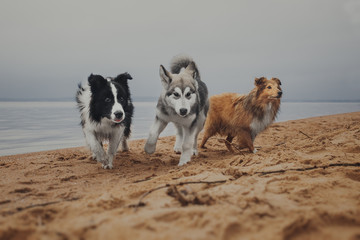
<point x="124" y="147"/>
<point x="107" y="163"/>
<point x="107" y="166"/>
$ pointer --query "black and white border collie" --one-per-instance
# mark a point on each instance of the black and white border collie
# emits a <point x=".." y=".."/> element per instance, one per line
<point x="106" y="112"/>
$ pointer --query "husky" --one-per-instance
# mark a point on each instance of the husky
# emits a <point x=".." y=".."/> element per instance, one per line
<point x="184" y="102"/>
<point x="106" y="112"/>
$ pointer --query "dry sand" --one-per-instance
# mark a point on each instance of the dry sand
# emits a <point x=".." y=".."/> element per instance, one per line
<point x="303" y="183"/>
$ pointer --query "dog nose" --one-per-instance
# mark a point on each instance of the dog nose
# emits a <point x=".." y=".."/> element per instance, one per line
<point x="280" y="93"/>
<point x="183" y="111"/>
<point x="118" y="114"/>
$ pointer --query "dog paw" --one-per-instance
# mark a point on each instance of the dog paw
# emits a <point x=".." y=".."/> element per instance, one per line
<point x="183" y="161"/>
<point x="255" y="151"/>
<point x="124" y="147"/>
<point x="181" y="164"/>
<point x="149" y="148"/>
<point x="195" y="152"/>
<point x="107" y="166"/>
<point x="177" y="149"/>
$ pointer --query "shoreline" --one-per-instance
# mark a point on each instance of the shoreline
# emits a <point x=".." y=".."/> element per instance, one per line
<point x="137" y="139"/>
<point x="281" y="192"/>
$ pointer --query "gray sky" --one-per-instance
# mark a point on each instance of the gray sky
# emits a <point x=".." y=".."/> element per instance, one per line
<point x="312" y="46"/>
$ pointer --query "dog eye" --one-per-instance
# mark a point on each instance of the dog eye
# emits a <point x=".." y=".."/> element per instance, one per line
<point x="107" y="100"/>
<point x="176" y="94"/>
<point x="121" y="99"/>
<point x="269" y="87"/>
<point x="188" y="94"/>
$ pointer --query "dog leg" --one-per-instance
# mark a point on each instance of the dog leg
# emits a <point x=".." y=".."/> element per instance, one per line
<point x="157" y="127"/>
<point x="228" y="143"/>
<point x="246" y="141"/>
<point x="95" y="146"/>
<point x="179" y="139"/>
<point x="124" y="144"/>
<point x="205" y="138"/>
<point x="198" y="128"/>
<point x="114" y="142"/>
<point x="187" y="146"/>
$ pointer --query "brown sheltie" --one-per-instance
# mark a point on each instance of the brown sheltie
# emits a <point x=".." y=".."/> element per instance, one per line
<point x="243" y="116"/>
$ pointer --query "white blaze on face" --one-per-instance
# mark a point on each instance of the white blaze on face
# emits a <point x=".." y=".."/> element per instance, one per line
<point x="117" y="107"/>
<point x="182" y="101"/>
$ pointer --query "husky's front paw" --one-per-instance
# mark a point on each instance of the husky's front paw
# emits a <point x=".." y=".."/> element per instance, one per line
<point x="150" y="148"/>
<point x="177" y="149"/>
<point x="195" y="152"/>
<point x="183" y="161"/>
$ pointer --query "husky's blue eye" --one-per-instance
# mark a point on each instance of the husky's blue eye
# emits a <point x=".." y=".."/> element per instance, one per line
<point x="107" y="100"/>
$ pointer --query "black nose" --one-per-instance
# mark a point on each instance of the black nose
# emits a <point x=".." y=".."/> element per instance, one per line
<point x="118" y="114"/>
<point x="280" y="93"/>
<point x="183" y="111"/>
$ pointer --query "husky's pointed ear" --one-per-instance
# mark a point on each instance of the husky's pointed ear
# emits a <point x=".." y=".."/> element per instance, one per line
<point x="123" y="77"/>
<point x="259" y="81"/>
<point x="277" y="81"/>
<point x="165" y="76"/>
<point x="192" y="69"/>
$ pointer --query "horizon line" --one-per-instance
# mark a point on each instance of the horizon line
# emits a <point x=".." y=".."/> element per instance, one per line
<point x="154" y="99"/>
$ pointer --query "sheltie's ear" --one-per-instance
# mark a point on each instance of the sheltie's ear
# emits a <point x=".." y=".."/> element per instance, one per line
<point x="277" y="81"/>
<point x="259" y="81"/>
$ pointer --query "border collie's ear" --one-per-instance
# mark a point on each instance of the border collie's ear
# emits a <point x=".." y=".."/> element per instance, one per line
<point x="259" y="81"/>
<point x="123" y="77"/>
<point x="96" y="80"/>
<point x="165" y="76"/>
<point x="277" y="80"/>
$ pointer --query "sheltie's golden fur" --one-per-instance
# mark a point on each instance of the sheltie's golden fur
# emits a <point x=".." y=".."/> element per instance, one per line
<point x="243" y="116"/>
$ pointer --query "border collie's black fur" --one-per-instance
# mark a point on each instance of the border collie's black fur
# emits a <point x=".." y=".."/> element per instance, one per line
<point x="106" y="112"/>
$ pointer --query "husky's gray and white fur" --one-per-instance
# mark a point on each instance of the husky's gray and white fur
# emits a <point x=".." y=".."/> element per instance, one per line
<point x="184" y="102"/>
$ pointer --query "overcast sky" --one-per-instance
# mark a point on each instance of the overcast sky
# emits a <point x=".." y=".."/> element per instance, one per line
<point x="313" y="46"/>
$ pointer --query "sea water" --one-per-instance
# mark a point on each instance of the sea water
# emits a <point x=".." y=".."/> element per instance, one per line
<point x="38" y="126"/>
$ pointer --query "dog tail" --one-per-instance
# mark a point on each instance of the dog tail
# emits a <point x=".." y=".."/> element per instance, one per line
<point x="181" y="61"/>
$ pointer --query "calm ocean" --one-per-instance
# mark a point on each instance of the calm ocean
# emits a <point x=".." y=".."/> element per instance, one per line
<point x="37" y="126"/>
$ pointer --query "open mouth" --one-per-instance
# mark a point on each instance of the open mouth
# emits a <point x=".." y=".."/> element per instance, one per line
<point x="116" y="120"/>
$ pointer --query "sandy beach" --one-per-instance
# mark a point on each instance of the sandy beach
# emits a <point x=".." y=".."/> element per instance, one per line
<point x="303" y="183"/>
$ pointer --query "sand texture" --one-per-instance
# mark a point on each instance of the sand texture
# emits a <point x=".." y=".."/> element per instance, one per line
<point x="303" y="183"/>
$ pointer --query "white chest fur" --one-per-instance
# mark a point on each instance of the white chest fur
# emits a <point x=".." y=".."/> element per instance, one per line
<point x="258" y="125"/>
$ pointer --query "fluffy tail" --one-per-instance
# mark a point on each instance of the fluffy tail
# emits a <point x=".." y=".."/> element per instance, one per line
<point x="182" y="61"/>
